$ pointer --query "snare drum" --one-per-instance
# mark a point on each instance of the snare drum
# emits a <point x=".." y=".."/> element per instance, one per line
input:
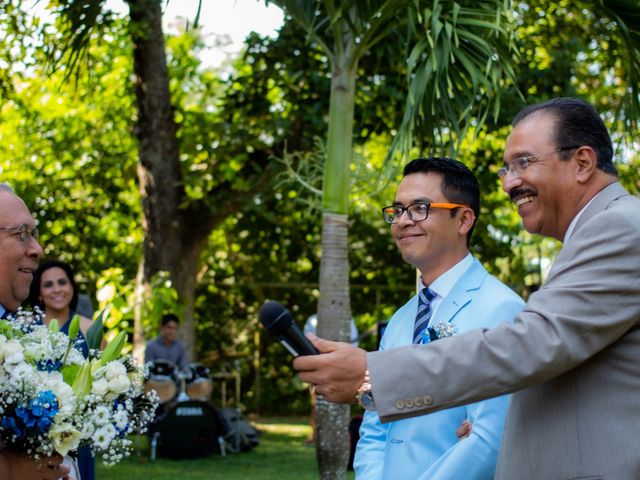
<point x="162" y="379"/>
<point x="199" y="385"/>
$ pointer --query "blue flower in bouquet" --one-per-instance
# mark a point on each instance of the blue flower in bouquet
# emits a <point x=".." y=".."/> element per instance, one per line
<point x="10" y="423"/>
<point x="49" y="365"/>
<point x="37" y="414"/>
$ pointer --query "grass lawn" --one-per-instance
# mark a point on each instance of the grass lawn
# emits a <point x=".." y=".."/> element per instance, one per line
<point x="281" y="455"/>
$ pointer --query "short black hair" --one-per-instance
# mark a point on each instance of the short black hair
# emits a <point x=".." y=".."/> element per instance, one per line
<point x="459" y="184"/>
<point x="34" y="291"/>
<point x="577" y="123"/>
<point x="169" y="317"/>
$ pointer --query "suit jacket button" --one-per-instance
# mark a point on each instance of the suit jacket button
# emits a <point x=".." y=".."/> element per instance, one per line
<point x="399" y="404"/>
<point x="427" y="400"/>
<point x="418" y="402"/>
<point x="408" y="403"/>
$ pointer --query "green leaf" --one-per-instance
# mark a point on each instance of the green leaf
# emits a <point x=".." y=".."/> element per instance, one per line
<point x="54" y="326"/>
<point x="70" y="373"/>
<point x="82" y="384"/>
<point x="112" y="351"/>
<point x="94" y="334"/>
<point x="9" y="330"/>
<point x="74" y="327"/>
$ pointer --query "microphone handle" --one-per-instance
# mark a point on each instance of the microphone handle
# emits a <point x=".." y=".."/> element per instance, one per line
<point x="295" y="341"/>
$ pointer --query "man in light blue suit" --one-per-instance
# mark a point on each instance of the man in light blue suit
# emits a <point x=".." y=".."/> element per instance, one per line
<point x="431" y="220"/>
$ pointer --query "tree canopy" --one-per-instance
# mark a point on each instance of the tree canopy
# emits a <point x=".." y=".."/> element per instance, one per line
<point x="69" y="146"/>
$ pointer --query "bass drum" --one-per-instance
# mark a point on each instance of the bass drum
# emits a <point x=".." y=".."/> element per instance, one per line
<point x="199" y="385"/>
<point x="162" y="379"/>
<point x="190" y="429"/>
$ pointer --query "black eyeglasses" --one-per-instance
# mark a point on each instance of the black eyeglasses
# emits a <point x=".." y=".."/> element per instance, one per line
<point x="520" y="164"/>
<point x="26" y="232"/>
<point x="417" y="212"/>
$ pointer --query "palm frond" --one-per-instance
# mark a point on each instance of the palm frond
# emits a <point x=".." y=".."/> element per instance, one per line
<point x="625" y="15"/>
<point x="458" y="67"/>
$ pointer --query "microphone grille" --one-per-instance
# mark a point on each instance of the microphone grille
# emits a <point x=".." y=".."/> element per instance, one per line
<point x="274" y="317"/>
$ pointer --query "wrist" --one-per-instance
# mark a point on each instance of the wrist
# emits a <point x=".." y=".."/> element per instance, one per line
<point x="364" y="394"/>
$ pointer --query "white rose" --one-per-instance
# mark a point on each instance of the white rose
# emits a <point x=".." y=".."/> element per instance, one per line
<point x="100" y="387"/>
<point x="119" y="384"/>
<point x="66" y="398"/>
<point x="13" y="352"/>
<point x="115" y="369"/>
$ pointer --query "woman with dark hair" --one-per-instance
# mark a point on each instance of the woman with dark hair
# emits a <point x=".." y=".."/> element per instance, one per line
<point x="54" y="291"/>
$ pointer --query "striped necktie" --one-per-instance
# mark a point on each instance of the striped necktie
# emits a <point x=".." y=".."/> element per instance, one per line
<point x="424" y="313"/>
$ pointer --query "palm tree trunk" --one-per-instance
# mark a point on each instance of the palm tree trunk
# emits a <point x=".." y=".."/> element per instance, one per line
<point x="334" y="308"/>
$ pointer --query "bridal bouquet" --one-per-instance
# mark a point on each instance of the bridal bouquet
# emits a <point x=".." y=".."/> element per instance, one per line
<point x="52" y="399"/>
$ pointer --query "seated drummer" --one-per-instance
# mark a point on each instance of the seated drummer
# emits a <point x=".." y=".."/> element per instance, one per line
<point x="167" y="346"/>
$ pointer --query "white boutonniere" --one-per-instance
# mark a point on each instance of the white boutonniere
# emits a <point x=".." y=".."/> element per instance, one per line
<point x="438" y="331"/>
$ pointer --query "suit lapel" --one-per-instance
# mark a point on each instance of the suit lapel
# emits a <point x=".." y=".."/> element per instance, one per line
<point x="459" y="295"/>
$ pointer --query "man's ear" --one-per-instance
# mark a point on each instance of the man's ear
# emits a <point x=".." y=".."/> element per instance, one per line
<point x="586" y="163"/>
<point x="467" y="220"/>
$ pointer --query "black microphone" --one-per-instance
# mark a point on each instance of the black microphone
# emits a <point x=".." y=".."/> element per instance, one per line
<point x="278" y="321"/>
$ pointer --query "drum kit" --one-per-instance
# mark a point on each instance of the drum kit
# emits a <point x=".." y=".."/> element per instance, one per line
<point x="186" y="424"/>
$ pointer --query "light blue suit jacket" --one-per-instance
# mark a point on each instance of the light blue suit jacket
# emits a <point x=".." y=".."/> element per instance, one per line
<point x="426" y="447"/>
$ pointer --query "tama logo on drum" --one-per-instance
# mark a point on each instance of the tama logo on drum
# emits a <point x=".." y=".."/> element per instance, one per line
<point x="189" y="412"/>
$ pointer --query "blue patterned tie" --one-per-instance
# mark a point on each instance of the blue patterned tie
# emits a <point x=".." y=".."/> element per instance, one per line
<point x="424" y="313"/>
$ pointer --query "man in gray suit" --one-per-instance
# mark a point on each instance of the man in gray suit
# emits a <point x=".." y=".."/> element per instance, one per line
<point x="572" y="355"/>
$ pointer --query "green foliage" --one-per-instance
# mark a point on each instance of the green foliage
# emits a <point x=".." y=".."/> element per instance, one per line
<point x="69" y="153"/>
<point x="116" y="293"/>
<point x="69" y="150"/>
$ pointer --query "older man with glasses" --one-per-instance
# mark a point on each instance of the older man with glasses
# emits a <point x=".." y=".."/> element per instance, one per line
<point x="431" y="221"/>
<point x="571" y="355"/>
<point x="19" y="255"/>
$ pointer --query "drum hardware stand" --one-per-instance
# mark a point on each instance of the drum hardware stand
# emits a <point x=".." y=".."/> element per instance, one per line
<point x="223" y="446"/>
<point x="154" y="445"/>
<point x="226" y="442"/>
<point x="182" y="396"/>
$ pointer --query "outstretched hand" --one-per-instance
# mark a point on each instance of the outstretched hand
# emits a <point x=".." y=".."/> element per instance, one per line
<point x="336" y="373"/>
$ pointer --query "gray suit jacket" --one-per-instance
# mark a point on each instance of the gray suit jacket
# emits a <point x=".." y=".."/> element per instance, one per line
<point x="572" y="356"/>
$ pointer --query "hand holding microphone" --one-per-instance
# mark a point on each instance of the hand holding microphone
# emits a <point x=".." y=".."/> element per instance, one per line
<point x="278" y="321"/>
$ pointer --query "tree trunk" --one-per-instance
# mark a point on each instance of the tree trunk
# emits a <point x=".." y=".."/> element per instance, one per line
<point x="168" y="245"/>
<point x="334" y="308"/>
<point x="176" y="228"/>
<point x="332" y="439"/>
<point x="184" y="276"/>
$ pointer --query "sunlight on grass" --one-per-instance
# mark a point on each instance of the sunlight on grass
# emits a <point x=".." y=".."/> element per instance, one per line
<point x="287" y="429"/>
